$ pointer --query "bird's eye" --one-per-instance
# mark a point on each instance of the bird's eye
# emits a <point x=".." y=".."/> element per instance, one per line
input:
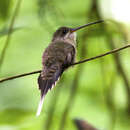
<point x="64" y="31"/>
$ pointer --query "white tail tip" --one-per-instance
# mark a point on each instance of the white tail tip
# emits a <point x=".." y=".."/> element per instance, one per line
<point x="40" y="106"/>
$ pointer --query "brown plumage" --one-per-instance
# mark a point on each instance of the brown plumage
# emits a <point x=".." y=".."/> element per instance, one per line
<point x="57" y="57"/>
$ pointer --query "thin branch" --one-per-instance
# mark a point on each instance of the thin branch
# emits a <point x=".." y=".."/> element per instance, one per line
<point x="9" y="32"/>
<point x="102" y="55"/>
<point x="80" y="62"/>
<point x="20" y="75"/>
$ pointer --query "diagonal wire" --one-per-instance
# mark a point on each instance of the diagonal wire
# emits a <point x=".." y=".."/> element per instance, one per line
<point x="76" y="63"/>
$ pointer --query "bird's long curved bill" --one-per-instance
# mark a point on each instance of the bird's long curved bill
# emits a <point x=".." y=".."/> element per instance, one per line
<point x="83" y="26"/>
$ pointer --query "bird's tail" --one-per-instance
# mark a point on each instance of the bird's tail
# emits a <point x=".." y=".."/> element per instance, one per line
<point x="47" y="83"/>
<point x="40" y="105"/>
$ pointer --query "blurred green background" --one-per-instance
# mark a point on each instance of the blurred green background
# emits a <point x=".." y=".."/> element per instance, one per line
<point x="97" y="91"/>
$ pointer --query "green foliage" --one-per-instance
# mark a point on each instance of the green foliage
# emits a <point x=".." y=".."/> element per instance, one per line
<point x="4" y="8"/>
<point x="101" y="95"/>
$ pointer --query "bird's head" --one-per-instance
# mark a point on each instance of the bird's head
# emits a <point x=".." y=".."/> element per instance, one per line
<point x="66" y="34"/>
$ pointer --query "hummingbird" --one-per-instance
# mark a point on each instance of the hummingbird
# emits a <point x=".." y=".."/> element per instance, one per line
<point x="57" y="57"/>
